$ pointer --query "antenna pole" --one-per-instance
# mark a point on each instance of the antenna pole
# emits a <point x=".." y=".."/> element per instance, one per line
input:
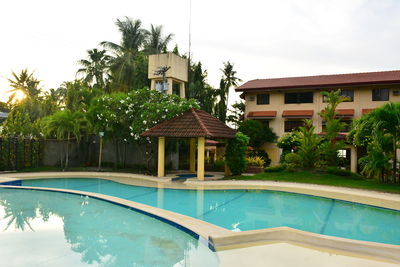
<point x="190" y="44"/>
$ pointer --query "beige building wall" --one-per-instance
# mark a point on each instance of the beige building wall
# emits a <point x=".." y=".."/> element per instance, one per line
<point x="362" y="100"/>
<point x="177" y="74"/>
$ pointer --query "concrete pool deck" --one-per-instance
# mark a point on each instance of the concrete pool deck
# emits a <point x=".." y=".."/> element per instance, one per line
<point x="281" y="244"/>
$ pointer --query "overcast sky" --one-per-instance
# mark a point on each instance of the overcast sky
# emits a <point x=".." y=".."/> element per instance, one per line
<point x="264" y="39"/>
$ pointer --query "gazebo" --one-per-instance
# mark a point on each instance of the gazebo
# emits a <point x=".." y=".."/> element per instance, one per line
<point x="193" y="124"/>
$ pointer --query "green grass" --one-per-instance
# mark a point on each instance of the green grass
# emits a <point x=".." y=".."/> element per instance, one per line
<point x="308" y="177"/>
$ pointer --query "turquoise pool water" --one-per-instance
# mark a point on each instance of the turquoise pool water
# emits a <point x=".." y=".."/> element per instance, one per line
<point x="241" y="210"/>
<point x="40" y="228"/>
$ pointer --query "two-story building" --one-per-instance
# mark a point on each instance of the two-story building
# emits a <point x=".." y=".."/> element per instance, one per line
<point x="283" y="103"/>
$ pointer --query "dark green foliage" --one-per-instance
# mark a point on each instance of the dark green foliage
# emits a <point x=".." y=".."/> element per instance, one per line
<point x="257" y="132"/>
<point x="235" y="153"/>
<point x="289" y="141"/>
<point x="277" y="168"/>
<point x="338" y="171"/>
<point x="293" y="158"/>
<point x="237" y="114"/>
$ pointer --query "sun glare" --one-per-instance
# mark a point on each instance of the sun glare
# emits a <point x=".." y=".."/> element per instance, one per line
<point x="19" y="95"/>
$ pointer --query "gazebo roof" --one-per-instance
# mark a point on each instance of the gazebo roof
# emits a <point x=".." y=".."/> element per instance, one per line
<point x="192" y="123"/>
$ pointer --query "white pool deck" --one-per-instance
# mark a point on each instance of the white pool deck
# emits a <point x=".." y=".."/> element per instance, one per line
<point x="280" y="246"/>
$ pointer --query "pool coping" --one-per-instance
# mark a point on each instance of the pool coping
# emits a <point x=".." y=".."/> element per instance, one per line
<point x="222" y="239"/>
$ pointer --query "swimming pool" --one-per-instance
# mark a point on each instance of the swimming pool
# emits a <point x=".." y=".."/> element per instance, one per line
<point x="41" y="228"/>
<point x="241" y="210"/>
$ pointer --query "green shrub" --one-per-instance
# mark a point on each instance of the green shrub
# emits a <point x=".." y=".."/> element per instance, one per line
<point x="277" y="168"/>
<point x="338" y="171"/>
<point x="291" y="167"/>
<point x="235" y="153"/>
<point x="293" y="159"/>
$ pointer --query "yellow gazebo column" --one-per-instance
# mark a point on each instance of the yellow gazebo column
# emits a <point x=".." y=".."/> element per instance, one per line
<point x="192" y="155"/>
<point x="200" y="158"/>
<point x="353" y="159"/>
<point x="161" y="156"/>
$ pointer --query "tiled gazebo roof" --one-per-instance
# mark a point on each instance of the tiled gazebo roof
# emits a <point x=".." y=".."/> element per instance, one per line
<point x="192" y="123"/>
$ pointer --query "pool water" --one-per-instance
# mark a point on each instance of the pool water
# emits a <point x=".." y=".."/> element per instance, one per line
<point x="240" y="210"/>
<point x="41" y="228"/>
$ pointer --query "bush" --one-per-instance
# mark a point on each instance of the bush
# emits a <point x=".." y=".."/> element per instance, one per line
<point x="338" y="171"/>
<point x="262" y="154"/>
<point x="235" y="153"/>
<point x="255" y="161"/>
<point x="291" y="167"/>
<point x="277" y="168"/>
<point x="294" y="159"/>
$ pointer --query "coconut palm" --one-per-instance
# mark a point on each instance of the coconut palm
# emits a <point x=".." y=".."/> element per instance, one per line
<point x="25" y="83"/>
<point x="65" y="124"/>
<point x="123" y="60"/>
<point x="156" y="42"/>
<point x="94" y="69"/>
<point x="228" y="80"/>
<point x="384" y="124"/>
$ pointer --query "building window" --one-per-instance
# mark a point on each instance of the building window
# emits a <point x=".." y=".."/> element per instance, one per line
<point x="262" y="99"/>
<point x="176" y="88"/>
<point x="265" y="123"/>
<point x="380" y="94"/>
<point x="293" y="125"/>
<point x="349" y="94"/>
<point x="297" y="98"/>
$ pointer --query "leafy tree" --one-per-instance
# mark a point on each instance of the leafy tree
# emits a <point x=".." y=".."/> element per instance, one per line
<point x="289" y="141"/>
<point x="257" y="132"/>
<point x="237" y="114"/>
<point x="94" y="69"/>
<point x="65" y="124"/>
<point x="235" y="153"/>
<point x="155" y="42"/>
<point x="78" y="95"/>
<point x="308" y="149"/>
<point x="125" y="116"/>
<point x="123" y="61"/>
<point x="379" y="131"/>
<point x="25" y="83"/>
<point x="200" y="90"/>
<point x="334" y="126"/>
<point x="228" y="80"/>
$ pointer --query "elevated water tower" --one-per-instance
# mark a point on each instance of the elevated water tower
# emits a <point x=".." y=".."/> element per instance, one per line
<point x="168" y="73"/>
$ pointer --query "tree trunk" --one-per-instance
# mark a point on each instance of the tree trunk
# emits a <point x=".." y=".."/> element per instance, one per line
<point x="394" y="171"/>
<point x="67" y="154"/>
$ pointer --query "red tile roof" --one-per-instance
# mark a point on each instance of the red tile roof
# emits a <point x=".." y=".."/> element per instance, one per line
<point x="192" y="123"/>
<point x="383" y="77"/>
<point x="262" y="114"/>
<point x="297" y="113"/>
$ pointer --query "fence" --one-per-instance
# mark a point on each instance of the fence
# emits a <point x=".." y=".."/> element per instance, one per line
<point x="17" y="153"/>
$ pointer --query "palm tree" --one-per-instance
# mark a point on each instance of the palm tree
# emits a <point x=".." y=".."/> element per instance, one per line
<point x="384" y="124"/>
<point x="65" y="124"/>
<point x="122" y="63"/>
<point x="95" y="67"/>
<point x="25" y="83"/>
<point x="228" y="80"/>
<point x="155" y="42"/>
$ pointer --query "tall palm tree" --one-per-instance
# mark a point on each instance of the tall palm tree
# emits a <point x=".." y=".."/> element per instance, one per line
<point x="122" y="63"/>
<point x="156" y="42"/>
<point x="94" y="69"/>
<point x="228" y="80"/>
<point x="25" y="83"/>
<point x="65" y="124"/>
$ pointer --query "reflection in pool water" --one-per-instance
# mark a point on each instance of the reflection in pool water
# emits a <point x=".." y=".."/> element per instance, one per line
<point x="241" y="210"/>
<point x="39" y="228"/>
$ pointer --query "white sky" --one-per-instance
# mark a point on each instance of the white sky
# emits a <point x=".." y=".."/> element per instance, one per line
<point x="264" y="39"/>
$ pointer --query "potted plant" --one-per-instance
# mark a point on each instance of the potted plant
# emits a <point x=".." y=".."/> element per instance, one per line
<point x="255" y="164"/>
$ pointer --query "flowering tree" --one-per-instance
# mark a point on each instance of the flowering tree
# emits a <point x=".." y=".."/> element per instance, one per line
<point x="125" y="116"/>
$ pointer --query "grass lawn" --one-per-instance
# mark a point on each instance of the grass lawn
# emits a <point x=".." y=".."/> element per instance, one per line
<point x="308" y="177"/>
